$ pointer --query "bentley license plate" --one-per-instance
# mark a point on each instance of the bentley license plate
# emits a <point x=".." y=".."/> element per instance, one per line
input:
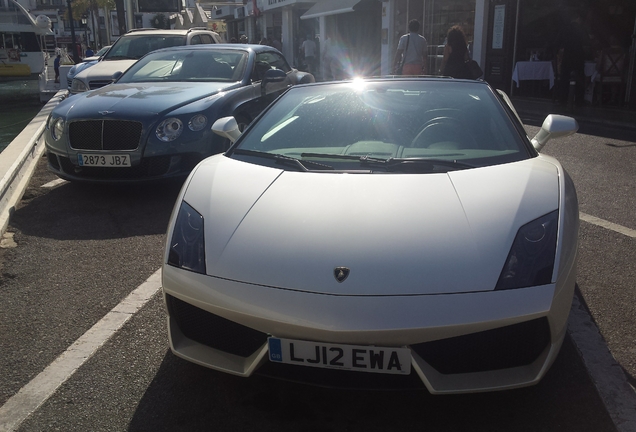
<point x="338" y="356"/>
<point x="110" y="160"/>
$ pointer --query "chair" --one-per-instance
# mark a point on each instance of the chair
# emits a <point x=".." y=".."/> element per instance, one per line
<point x="612" y="74"/>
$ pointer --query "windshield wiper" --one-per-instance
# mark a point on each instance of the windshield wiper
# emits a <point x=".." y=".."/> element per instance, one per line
<point x="416" y="165"/>
<point x="121" y="57"/>
<point x="282" y="159"/>
<point x="342" y="156"/>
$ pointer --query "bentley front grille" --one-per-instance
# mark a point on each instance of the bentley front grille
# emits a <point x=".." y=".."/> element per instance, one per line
<point x="110" y="135"/>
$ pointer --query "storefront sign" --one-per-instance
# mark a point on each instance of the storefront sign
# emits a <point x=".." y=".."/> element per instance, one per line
<point x="498" y="27"/>
<point x="272" y="4"/>
<point x="217" y="26"/>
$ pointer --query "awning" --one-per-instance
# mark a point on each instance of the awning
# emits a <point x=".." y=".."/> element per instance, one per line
<point x="329" y="7"/>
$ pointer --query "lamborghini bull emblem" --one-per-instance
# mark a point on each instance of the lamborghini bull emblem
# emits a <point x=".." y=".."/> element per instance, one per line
<point x="341" y="273"/>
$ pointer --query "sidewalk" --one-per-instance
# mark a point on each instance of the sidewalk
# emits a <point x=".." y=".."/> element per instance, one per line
<point x="534" y="110"/>
<point x="47" y="84"/>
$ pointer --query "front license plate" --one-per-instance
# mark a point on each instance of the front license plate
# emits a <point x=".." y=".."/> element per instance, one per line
<point x="111" y="160"/>
<point x="337" y="356"/>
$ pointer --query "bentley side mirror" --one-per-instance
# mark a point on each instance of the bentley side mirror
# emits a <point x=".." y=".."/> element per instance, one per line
<point x="272" y="76"/>
<point x="116" y="75"/>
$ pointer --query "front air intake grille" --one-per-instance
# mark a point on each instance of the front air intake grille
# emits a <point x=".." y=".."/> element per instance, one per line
<point x="501" y="348"/>
<point x="52" y="158"/>
<point x="110" y="135"/>
<point x="214" y="331"/>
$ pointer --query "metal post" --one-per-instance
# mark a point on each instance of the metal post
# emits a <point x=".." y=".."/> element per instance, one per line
<point x="632" y="60"/>
<point x="76" y="57"/>
<point x="130" y="14"/>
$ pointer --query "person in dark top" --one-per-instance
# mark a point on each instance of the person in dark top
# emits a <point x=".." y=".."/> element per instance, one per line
<point x="56" y="66"/>
<point x="572" y="39"/>
<point x="455" y="55"/>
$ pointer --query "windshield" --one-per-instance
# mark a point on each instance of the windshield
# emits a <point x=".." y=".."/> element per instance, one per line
<point x="392" y="125"/>
<point x="207" y="65"/>
<point x="102" y="51"/>
<point x="135" y="47"/>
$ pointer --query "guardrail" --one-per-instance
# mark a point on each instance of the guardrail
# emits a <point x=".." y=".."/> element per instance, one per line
<point x="19" y="160"/>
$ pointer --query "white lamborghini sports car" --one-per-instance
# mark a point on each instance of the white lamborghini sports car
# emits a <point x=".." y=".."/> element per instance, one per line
<point x="383" y="232"/>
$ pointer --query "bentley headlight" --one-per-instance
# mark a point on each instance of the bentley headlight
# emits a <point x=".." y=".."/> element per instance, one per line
<point x="169" y="129"/>
<point x="187" y="246"/>
<point x="77" y="86"/>
<point x="57" y="128"/>
<point x="197" y="122"/>
<point x="531" y="258"/>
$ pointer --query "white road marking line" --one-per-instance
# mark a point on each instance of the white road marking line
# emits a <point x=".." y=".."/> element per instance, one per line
<point x="35" y="393"/>
<point x="53" y="183"/>
<point x="618" y="396"/>
<point x="608" y="225"/>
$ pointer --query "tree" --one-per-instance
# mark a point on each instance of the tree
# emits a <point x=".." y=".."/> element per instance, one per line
<point x="121" y="16"/>
<point x="82" y="7"/>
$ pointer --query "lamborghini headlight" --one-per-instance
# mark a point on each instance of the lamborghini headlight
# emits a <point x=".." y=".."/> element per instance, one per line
<point x="169" y="129"/>
<point x="187" y="246"/>
<point x="531" y="258"/>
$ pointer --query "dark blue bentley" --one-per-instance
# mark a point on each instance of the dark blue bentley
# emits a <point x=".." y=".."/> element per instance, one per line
<point x="155" y="120"/>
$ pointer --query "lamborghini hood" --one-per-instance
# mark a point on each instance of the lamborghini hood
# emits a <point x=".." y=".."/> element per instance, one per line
<point x="397" y="234"/>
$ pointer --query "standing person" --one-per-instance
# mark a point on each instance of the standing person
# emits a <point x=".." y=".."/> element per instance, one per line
<point x="308" y="49"/>
<point x="326" y="59"/>
<point x="412" y="50"/>
<point x="277" y="44"/>
<point x="89" y="52"/>
<point x="572" y="39"/>
<point x="455" y="55"/>
<point x="56" y="66"/>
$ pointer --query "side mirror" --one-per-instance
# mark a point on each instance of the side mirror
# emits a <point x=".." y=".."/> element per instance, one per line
<point x="227" y="128"/>
<point x="272" y="76"/>
<point x="554" y="126"/>
<point x="116" y="75"/>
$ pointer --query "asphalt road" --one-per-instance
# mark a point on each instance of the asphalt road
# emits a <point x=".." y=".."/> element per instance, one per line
<point x="72" y="253"/>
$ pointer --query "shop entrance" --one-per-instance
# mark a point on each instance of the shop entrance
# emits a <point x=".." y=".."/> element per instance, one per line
<point x="501" y="43"/>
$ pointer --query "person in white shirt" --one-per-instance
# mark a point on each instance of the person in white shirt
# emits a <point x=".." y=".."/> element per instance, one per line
<point x="413" y="47"/>
<point x="308" y="49"/>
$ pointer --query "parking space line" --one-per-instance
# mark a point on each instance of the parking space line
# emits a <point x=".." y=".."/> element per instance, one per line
<point x="54" y="183"/>
<point x="39" y="389"/>
<point x="618" y="396"/>
<point x="608" y="225"/>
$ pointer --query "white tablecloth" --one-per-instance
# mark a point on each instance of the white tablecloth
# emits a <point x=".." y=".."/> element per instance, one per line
<point x="590" y="70"/>
<point x="533" y="70"/>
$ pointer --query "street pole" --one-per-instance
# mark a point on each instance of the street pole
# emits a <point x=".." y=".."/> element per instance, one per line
<point x="76" y="57"/>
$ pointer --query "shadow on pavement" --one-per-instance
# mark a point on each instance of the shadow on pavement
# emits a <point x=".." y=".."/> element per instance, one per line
<point x="184" y="396"/>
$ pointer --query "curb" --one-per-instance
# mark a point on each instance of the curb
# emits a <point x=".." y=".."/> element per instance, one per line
<point x="19" y="160"/>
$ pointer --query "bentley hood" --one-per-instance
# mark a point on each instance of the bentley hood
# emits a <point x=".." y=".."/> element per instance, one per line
<point x="397" y="234"/>
<point x="133" y="100"/>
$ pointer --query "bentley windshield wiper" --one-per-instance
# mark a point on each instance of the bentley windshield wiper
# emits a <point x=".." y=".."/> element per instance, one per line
<point x="121" y="57"/>
<point x="282" y="159"/>
<point x="417" y="165"/>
